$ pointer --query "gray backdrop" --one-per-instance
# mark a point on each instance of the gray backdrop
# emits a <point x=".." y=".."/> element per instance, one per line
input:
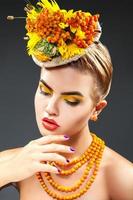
<point x="19" y="77"/>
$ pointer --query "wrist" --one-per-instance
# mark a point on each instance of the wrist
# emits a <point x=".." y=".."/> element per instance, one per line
<point x="4" y="177"/>
<point x="6" y="172"/>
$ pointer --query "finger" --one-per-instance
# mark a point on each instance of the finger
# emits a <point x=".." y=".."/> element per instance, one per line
<point x="47" y="168"/>
<point x="51" y="138"/>
<point x="56" y="148"/>
<point x="51" y="157"/>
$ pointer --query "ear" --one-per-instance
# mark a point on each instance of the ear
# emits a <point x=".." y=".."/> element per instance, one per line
<point x="97" y="109"/>
<point x="100" y="106"/>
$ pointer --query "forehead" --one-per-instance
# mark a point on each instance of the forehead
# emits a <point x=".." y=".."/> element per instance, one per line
<point x="65" y="79"/>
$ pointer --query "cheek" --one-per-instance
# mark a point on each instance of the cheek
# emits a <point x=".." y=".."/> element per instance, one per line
<point x="78" y="116"/>
<point x="38" y="103"/>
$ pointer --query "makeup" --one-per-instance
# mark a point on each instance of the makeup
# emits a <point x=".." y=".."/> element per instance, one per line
<point x="49" y="124"/>
<point x="63" y="94"/>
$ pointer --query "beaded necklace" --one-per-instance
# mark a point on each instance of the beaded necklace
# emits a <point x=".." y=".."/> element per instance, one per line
<point x="92" y="156"/>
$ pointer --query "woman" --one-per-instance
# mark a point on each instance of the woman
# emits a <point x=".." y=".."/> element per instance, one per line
<point x="69" y="162"/>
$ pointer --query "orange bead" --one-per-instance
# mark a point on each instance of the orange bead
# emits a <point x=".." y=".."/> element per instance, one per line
<point x="82" y="179"/>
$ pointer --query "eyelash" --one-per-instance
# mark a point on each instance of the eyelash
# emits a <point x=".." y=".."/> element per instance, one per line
<point x="68" y="102"/>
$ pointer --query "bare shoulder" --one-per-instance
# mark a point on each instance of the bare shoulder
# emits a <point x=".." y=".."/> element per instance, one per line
<point x="119" y="175"/>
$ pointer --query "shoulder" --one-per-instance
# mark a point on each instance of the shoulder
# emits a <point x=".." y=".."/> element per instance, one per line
<point x="119" y="175"/>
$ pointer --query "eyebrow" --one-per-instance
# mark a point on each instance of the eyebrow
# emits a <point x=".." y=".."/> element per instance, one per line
<point x="63" y="93"/>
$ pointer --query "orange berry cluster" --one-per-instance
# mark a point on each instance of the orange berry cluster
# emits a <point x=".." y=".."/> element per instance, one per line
<point x="47" y="27"/>
<point x="29" y="25"/>
<point x="88" y="26"/>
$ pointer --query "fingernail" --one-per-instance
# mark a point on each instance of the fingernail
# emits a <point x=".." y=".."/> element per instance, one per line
<point x="66" y="137"/>
<point x="72" y="149"/>
<point x="68" y="160"/>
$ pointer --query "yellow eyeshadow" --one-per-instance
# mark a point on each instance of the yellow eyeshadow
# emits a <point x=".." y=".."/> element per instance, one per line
<point x="44" y="88"/>
<point x="72" y="97"/>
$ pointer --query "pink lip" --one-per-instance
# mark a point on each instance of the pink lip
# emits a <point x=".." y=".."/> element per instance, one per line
<point x="49" y="124"/>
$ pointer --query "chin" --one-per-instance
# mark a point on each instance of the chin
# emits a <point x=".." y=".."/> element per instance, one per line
<point x="47" y="132"/>
<point x="44" y="132"/>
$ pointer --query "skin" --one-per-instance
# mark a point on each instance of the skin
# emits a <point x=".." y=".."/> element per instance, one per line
<point x="53" y="146"/>
<point x="53" y="105"/>
<point x="50" y="103"/>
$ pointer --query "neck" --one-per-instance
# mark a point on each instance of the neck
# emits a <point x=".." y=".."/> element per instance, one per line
<point x="80" y="141"/>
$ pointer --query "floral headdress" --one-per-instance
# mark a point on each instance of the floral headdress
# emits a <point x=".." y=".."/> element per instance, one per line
<point x="56" y="36"/>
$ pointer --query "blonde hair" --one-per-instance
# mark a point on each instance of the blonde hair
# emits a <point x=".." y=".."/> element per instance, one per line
<point x="97" y="61"/>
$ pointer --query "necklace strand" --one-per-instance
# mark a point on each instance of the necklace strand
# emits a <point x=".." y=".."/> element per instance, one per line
<point x="93" y="156"/>
<point x="78" y="183"/>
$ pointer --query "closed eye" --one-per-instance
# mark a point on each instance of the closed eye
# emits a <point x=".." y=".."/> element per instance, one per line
<point x="45" y="93"/>
<point x="71" y="100"/>
<point x="72" y="103"/>
<point x="44" y="90"/>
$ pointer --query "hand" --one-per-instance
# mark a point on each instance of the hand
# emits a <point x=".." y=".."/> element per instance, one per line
<point x="29" y="159"/>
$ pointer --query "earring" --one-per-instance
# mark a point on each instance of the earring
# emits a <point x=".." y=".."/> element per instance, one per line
<point x="94" y="118"/>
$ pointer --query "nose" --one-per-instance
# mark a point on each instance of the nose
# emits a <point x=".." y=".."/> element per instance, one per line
<point x="52" y="107"/>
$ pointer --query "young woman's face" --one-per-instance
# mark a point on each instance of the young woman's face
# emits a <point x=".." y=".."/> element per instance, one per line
<point x="64" y="95"/>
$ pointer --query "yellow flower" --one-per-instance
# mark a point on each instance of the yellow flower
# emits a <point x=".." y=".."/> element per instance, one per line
<point x="51" y="6"/>
<point x="63" y="25"/>
<point x="68" y="51"/>
<point x="80" y="33"/>
<point x="67" y="14"/>
<point x="33" y="40"/>
<point x="88" y="14"/>
<point x="73" y="30"/>
<point x="32" y="15"/>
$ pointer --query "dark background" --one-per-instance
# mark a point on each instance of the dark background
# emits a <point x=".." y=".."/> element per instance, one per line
<point x="19" y="77"/>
